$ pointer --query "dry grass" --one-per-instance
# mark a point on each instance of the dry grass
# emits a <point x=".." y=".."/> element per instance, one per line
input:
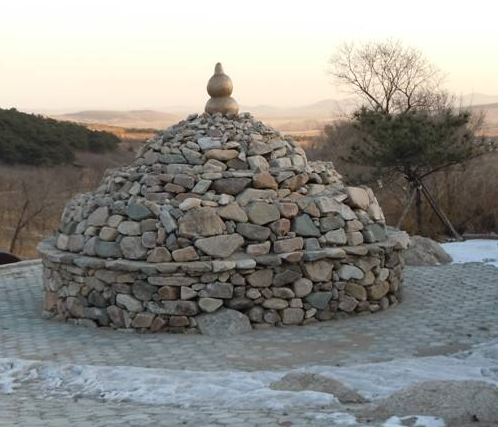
<point x="49" y="188"/>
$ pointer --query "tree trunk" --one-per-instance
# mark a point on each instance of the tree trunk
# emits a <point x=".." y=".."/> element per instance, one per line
<point x="442" y="216"/>
<point x="19" y="227"/>
<point x="419" y="210"/>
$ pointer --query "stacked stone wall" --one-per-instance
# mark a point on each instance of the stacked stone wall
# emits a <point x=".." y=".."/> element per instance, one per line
<point x="303" y="288"/>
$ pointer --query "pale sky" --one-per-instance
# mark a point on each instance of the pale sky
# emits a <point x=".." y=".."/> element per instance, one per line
<point x="121" y="54"/>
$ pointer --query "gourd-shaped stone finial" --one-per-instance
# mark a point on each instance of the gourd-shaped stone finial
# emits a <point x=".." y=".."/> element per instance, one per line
<point x="220" y="88"/>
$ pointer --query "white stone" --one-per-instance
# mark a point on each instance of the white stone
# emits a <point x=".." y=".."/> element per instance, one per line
<point x="202" y="186"/>
<point x="348" y="272"/>
<point x="336" y="237"/>
<point x="258" y="163"/>
<point x="129" y="302"/>
<point x="129" y="228"/>
<point x="209" y="305"/>
<point x="208" y="143"/>
<point x="190" y="203"/>
<point x="99" y="216"/>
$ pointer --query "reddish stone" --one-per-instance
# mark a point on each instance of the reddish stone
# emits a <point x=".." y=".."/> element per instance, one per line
<point x="179" y="321"/>
<point x="264" y="180"/>
<point x="280" y="227"/>
<point x="169" y="293"/>
<point x="288" y="210"/>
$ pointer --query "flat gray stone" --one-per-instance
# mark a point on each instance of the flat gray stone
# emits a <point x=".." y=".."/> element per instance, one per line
<point x="302" y="287"/>
<point x="129" y="302"/>
<point x="251" y="194"/>
<point x="209" y="305"/>
<point x="253" y="231"/>
<point x="129" y="228"/>
<point x="319" y="300"/>
<point x="208" y="143"/>
<point x="76" y="243"/>
<point x="173" y="159"/>
<point x="202" y="221"/>
<point x="315" y="255"/>
<point x="358" y="197"/>
<point x="202" y="186"/>
<point x="318" y="271"/>
<point x="301" y="381"/>
<point x="302" y="225"/>
<point x="173" y="308"/>
<point x="107" y="249"/>
<point x="232" y="186"/>
<point x="223" y="323"/>
<point x="292" y="316"/>
<point x="374" y="233"/>
<point x="217" y="290"/>
<point x="220" y="246"/>
<point x="132" y="248"/>
<point x="336" y="237"/>
<point x="425" y="251"/>
<point x="261" y="278"/>
<point x="233" y="212"/>
<point x="455" y="401"/>
<point x="168" y="222"/>
<point x="99" y="216"/>
<point x="262" y="213"/>
<point x="138" y="212"/>
<point x="285" y="277"/>
<point x="347" y="272"/>
<point x="331" y="222"/>
<point x="275" y="303"/>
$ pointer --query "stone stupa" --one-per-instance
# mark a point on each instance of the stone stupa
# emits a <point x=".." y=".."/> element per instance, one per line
<point x="220" y="218"/>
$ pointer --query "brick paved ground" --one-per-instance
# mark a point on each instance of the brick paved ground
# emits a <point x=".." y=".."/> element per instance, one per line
<point x="446" y="309"/>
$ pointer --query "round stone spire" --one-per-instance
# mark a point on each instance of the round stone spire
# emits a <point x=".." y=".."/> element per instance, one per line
<point x="220" y="88"/>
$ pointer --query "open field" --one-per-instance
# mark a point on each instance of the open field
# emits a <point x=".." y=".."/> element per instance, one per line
<point x="145" y="119"/>
<point x="38" y="194"/>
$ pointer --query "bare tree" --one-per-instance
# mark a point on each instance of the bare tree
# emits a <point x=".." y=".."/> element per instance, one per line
<point x="31" y="199"/>
<point x="31" y="208"/>
<point x="409" y="122"/>
<point x="390" y="77"/>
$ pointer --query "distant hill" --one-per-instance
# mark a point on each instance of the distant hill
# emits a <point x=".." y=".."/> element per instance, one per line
<point x="478" y="99"/>
<point x="492" y="106"/>
<point x="491" y="117"/>
<point x="36" y="140"/>
<point x="149" y="119"/>
<point x="304" y="118"/>
<point x="324" y="109"/>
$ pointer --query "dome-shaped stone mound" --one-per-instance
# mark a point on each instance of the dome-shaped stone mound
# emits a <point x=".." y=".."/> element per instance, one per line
<point x="216" y="214"/>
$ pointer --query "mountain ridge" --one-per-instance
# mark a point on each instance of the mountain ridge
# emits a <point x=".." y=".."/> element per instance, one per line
<point x="322" y="110"/>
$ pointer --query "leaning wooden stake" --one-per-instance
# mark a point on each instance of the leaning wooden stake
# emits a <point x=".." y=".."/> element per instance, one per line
<point x="439" y="211"/>
<point x="407" y="207"/>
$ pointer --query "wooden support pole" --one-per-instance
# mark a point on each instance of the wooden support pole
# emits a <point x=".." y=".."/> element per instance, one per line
<point x="406" y="208"/>
<point x="439" y="212"/>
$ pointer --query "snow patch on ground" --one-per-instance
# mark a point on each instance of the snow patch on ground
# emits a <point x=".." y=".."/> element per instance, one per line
<point x="338" y="418"/>
<point x="420" y="421"/>
<point x="478" y="250"/>
<point x="378" y="380"/>
<point x="217" y="389"/>
<point x="246" y="390"/>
